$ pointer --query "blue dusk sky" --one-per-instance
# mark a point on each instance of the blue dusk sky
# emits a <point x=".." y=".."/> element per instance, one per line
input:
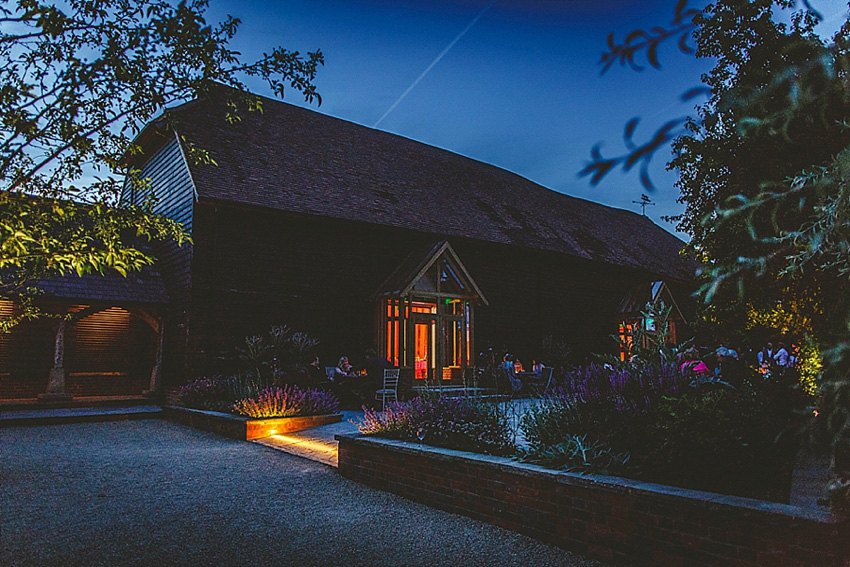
<point x="513" y="83"/>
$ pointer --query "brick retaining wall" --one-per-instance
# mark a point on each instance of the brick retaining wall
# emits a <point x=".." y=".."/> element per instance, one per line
<point x="620" y="520"/>
<point x="245" y="428"/>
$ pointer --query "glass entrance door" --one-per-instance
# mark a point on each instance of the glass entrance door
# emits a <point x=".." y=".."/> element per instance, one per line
<point x="424" y="347"/>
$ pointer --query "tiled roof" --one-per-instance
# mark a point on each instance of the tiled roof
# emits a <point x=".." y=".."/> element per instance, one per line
<point x="142" y="287"/>
<point x="298" y="160"/>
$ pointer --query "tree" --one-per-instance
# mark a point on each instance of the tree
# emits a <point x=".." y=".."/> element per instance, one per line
<point x="78" y="83"/>
<point x="764" y="173"/>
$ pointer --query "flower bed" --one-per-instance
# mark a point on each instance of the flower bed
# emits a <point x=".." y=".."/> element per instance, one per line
<point x="611" y="518"/>
<point x="245" y="428"/>
<point x="244" y="408"/>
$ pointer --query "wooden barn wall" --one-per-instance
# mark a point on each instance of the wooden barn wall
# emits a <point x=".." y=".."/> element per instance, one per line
<point x="254" y="268"/>
<point x="536" y="294"/>
<point x="173" y="187"/>
<point x="171" y="183"/>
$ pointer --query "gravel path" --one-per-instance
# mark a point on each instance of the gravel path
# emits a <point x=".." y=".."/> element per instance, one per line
<point x="156" y="493"/>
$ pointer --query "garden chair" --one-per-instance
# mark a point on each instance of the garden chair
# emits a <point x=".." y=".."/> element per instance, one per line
<point x="538" y="387"/>
<point x="390" y="390"/>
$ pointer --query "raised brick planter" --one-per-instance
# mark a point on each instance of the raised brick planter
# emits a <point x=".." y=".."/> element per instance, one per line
<point x="621" y="520"/>
<point x="245" y="428"/>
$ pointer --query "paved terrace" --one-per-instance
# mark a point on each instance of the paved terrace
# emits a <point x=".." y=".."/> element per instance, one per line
<point x="151" y="492"/>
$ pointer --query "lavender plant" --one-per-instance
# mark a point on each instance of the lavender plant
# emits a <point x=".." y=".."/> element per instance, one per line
<point x="456" y="423"/>
<point x="286" y="401"/>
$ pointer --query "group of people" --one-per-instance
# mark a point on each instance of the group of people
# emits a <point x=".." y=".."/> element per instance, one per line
<point x="726" y="358"/>
<point x="513" y="367"/>
<point x="354" y="386"/>
<point x="779" y="356"/>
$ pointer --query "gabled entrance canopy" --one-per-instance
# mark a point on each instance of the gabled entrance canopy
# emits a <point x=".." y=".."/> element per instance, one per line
<point x="435" y="270"/>
<point x="425" y="314"/>
<point x="630" y="313"/>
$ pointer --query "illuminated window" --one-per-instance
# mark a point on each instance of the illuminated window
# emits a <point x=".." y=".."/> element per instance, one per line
<point x="425" y="315"/>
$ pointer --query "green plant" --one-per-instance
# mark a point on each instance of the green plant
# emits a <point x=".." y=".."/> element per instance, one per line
<point x="556" y="351"/>
<point x="721" y="440"/>
<point x="576" y="454"/>
<point x="651" y="341"/>
<point x="79" y="81"/>
<point x="269" y="357"/>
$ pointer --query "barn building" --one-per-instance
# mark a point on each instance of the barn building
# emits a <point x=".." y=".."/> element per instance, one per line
<point x="358" y="237"/>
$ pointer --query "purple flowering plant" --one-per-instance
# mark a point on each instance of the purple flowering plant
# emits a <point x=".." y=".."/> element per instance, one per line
<point x="456" y="423"/>
<point x="248" y="396"/>
<point x="287" y="401"/>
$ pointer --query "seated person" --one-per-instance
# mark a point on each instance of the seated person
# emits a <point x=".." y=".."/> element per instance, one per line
<point x="345" y="385"/>
<point x="537" y="367"/>
<point x="316" y="373"/>
<point x="343" y="369"/>
<point x="691" y="364"/>
<point x="507" y="366"/>
<point x="374" y="366"/>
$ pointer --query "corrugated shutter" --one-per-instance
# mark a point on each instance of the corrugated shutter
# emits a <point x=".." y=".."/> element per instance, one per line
<point x="110" y="353"/>
<point x="26" y="356"/>
<point x="7" y="309"/>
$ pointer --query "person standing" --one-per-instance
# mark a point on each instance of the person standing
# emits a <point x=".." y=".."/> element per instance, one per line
<point x="765" y="355"/>
<point x="781" y="356"/>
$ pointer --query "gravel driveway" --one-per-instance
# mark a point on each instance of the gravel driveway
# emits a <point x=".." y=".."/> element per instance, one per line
<point x="156" y="493"/>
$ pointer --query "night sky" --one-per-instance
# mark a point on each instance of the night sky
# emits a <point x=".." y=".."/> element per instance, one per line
<point x="513" y="83"/>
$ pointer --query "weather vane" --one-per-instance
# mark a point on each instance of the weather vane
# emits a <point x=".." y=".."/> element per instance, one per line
<point x="644" y="201"/>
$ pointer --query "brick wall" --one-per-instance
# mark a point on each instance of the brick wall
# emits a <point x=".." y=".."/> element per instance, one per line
<point x="619" y="520"/>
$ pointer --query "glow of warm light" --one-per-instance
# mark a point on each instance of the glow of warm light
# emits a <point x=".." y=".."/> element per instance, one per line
<point x="816" y="412"/>
<point x="307" y="444"/>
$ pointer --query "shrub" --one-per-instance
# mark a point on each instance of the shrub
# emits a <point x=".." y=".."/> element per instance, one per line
<point x="456" y="423"/>
<point x="218" y="393"/>
<point x="275" y="354"/>
<point x="654" y="423"/>
<point x="286" y="401"/>
<point x="723" y="440"/>
<point x="575" y="453"/>
<point x="609" y="405"/>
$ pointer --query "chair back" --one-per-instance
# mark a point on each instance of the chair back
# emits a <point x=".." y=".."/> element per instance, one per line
<point x="391" y="379"/>
<point x="546" y="377"/>
<point x="330" y="372"/>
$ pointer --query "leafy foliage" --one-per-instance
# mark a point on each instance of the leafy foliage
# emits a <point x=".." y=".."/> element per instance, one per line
<point x="638" y="40"/>
<point x="711" y="440"/>
<point x="764" y="178"/>
<point x="251" y="397"/>
<point x="651" y="342"/>
<point x="280" y="350"/>
<point x="604" y="403"/>
<point x="456" y="423"/>
<point x="79" y="79"/>
<point x="686" y="21"/>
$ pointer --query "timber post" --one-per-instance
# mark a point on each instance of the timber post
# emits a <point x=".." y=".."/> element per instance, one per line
<point x="56" y="381"/>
